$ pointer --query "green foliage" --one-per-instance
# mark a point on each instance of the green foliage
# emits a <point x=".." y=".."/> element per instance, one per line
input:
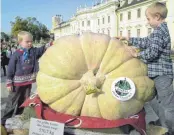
<point x="31" y="25"/>
<point x="5" y="36"/>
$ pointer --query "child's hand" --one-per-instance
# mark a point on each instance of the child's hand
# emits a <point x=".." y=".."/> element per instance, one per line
<point x="134" y="54"/>
<point x="132" y="50"/>
<point x="10" y="88"/>
<point x="123" y="38"/>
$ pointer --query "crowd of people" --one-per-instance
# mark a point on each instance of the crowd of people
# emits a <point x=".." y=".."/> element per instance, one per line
<point x="6" y="52"/>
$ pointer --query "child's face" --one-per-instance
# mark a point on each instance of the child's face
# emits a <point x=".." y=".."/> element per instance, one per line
<point x="153" y="21"/>
<point x="26" y="42"/>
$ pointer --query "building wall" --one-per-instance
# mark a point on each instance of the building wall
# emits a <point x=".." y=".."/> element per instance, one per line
<point x="134" y="23"/>
<point x="136" y="26"/>
<point x="140" y="23"/>
<point x="170" y="20"/>
<point x="92" y="14"/>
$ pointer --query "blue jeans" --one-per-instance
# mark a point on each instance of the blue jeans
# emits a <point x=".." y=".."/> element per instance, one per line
<point x="163" y="103"/>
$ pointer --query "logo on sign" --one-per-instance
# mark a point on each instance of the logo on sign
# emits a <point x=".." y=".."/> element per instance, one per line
<point x="123" y="88"/>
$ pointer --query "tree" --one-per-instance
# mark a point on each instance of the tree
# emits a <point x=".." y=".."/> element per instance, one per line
<point x="5" y="36"/>
<point x="32" y="25"/>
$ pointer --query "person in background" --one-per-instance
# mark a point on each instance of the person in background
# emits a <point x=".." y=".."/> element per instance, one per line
<point x="13" y="49"/>
<point x="9" y="52"/>
<point x="4" y="58"/>
<point x="51" y="39"/>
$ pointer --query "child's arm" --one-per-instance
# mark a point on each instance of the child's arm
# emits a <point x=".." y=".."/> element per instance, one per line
<point x="41" y="50"/>
<point x="11" y="70"/>
<point x="139" y="42"/>
<point x="156" y="45"/>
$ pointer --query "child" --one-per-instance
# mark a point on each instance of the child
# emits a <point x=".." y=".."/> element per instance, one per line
<point x="21" y="73"/>
<point x="155" y="52"/>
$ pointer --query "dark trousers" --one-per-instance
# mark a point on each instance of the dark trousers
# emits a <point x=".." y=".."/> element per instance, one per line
<point x="4" y="69"/>
<point x="14" y="100"/>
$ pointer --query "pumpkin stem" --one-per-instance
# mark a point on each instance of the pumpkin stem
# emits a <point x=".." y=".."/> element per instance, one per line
<point x="91" y="89"/>
<point x="91" y="83"/>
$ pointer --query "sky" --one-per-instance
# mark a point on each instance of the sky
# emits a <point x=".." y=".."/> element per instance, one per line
<point x="43" y="10"/>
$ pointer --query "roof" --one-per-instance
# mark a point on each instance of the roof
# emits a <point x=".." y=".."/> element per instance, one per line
<point x="134" y="2"/>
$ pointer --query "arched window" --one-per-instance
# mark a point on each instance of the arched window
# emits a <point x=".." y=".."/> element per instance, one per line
<point x="139" y="13"/>
<point x="138" y="32"/>
<point x="109" y="32"/>
<point x="129" y="15"/>
<point x="121" y="17"/>
<point x="108" y="19"/>
<point x="98" y="21"/>
<point x="129" y="33"/>
<point x="103" y="20"/>
<point x="88" y="23"/>
<point x="121" y="33"/>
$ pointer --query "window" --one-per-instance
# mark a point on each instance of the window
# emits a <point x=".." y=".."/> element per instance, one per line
<point x="139" y="13"/>
<point x="129" y="33"/>
<point x="121" y="17"/>
<point x="129" y="15"/>
<point x="108" y="19"/>
<point x="98" y="21"/>
<point x="108" y="32"/>
<point x="130" y="1"/>
<point x="88" y="23"/>
<point x="103" y="31"/>
<point x="149" y="31"/>
<point x="82" y="23"/>
<point x="138" y="32"/>
<point x="121" y="33"/>
<point x="103" y="20"/>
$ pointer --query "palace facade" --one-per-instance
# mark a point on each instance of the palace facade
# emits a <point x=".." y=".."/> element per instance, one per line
<point x="112" y="17"/>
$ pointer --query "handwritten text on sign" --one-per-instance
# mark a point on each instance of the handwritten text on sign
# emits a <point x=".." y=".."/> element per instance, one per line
<point x="44" y="127"/>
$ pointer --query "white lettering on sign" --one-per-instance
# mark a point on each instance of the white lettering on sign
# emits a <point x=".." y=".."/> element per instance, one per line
<point x="44" y="127"/>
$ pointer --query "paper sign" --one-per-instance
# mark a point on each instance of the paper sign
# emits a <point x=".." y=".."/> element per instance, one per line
<point x="44" y="127"/>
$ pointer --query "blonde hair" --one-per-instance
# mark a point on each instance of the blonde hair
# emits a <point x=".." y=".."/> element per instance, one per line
<point x="21" y="34"/>
<point x="158" y="8"/>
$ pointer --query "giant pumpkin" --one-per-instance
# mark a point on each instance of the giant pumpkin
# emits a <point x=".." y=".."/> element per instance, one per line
<point x="76" y="75"/>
